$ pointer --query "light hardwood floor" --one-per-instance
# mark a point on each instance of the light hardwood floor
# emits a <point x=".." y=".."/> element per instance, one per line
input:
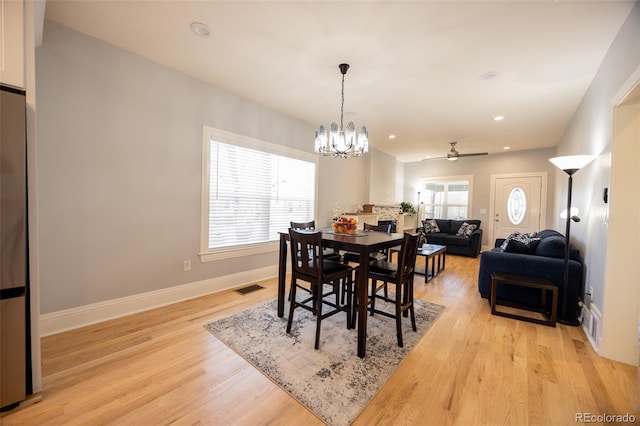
<point x="471" y="368"/>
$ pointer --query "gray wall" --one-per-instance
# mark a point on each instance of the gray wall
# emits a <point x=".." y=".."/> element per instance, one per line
<point x="119" y="170"/>
<point x="481" y="168"/>
<point x="383" y="174"/>
<point x="590" y="132"/>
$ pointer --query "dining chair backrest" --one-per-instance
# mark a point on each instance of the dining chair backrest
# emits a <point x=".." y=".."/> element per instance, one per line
<point x="306" y="253"/>
<point x="380" y="228"/>
<point x="303" y="225"/>
<point x="407" y="257"/>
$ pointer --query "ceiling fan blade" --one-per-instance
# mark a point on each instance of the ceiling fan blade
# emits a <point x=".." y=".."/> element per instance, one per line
<point x="473" y="155"/>
<point x="434" y="158"/>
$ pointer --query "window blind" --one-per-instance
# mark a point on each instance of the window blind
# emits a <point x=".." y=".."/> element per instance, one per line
<point x="254" y="194"/>
<point x="446" y="199"/>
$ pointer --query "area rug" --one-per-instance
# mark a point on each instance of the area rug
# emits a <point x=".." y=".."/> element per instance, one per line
<point x="332" y="382"/>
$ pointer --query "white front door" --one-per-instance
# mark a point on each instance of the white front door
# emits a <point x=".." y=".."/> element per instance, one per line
<point x="518" y="204"/>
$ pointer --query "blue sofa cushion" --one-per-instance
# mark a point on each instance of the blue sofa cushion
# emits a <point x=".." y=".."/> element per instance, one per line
<point x="444" y="225"/>
<point x="548" y="233"/>
<point x="551" y="247"/>
<point x="456" y="240"/>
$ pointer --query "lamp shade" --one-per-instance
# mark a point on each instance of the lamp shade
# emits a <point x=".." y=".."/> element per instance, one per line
<point x="571" y="163"/>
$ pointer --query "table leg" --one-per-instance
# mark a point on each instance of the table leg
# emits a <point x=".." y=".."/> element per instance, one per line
<point x="363" y="284"/>
<point x="433" y="266"/>
<point x="282" y="274"/>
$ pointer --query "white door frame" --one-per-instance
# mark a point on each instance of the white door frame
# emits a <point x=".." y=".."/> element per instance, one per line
<point x="618" y="338"/>
<point x="492" y="199"/>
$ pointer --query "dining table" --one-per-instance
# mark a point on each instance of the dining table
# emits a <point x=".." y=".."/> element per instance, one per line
<point x="362" y="242"/>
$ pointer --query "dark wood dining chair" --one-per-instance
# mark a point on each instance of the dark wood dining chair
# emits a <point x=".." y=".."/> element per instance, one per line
<point x="401" y="275"/>
<point x="309" y="265"/>
<point x="381" y="255"/>
<point x="329" y="254"/>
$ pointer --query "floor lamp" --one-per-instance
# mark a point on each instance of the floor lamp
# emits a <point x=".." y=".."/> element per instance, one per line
<point x="569" y="164"/>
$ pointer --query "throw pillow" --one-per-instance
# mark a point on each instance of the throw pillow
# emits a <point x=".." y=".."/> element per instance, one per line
<point x="431" y="226"/>
<point x="520" y="243"/>
<point x="515" y="246"/>
<point x="466" y="229"/>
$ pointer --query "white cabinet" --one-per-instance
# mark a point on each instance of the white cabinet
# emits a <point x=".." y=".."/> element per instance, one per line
<point x="12" y="43"/>
<point x="406" y="223"/>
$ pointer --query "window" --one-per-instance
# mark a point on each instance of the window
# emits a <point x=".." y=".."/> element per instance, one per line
<point x="251" y="191"/>
<point x="516" y="205"/>
<point x="446" y="198"/>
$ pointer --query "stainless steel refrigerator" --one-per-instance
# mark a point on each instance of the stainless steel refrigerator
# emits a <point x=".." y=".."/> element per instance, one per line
<point x="14" y="277"/>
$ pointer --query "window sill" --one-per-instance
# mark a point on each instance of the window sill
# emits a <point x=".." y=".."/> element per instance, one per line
<point x="231" y="253"/>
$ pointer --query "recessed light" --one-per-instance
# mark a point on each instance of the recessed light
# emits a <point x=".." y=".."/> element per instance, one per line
<point x="488" y="75"/>
<point x="498" y="118"/>
<point x="200" y="29"/>
<point x="392" y="136"/>
<point x="506" y="147"/>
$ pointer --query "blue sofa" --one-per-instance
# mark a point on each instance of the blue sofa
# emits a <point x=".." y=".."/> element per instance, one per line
<point x="456" y="244"/>
<point x="545" y="260"/>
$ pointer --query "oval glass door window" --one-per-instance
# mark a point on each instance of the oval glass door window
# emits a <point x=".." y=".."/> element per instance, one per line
<point x="516" y="205"/>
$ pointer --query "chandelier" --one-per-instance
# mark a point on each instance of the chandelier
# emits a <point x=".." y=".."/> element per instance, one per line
<point x="340" y="141"/>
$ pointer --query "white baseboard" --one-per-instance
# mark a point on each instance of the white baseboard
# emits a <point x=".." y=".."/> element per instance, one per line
<point x="69" y="319"/>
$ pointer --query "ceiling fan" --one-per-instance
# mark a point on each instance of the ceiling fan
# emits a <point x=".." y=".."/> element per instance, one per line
<point x="453" y="154"/>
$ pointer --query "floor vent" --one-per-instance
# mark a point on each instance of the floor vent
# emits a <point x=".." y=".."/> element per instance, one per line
<point x="249" y="289"/>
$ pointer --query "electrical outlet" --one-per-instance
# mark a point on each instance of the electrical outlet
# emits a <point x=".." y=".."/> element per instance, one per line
<point x="187" y="265"/>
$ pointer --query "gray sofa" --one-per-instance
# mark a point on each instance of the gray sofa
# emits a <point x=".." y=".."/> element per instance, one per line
<point x="464" y="245"/>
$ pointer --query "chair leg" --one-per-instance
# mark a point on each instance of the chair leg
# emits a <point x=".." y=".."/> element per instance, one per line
<point x="374" y="285"/>
<point x="292" y="303"/>
<point x="318" y="315"/>
<point x="413" y="314"/>
<point x="399" y="314"/>
<point x="354" y="304"/>
<point x="349" y="284"/>
<point x="405" y="299"/>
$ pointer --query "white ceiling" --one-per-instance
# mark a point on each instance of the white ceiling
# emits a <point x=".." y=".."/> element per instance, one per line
<point x="416" y="66"/>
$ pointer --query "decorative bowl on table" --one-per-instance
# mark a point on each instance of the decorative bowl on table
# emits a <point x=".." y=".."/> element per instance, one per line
<point x="345" y="225"/>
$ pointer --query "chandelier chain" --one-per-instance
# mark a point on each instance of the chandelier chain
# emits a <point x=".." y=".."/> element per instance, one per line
<point x="342" y="106"/>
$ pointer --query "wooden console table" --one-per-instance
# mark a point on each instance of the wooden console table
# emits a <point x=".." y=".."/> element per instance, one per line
<point x="542" y="284"/>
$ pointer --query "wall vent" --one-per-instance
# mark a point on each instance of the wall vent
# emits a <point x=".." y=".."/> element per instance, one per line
<point x="592" y="318"/>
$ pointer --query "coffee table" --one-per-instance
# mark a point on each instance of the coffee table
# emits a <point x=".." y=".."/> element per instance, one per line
<point x="438" y="256"/>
